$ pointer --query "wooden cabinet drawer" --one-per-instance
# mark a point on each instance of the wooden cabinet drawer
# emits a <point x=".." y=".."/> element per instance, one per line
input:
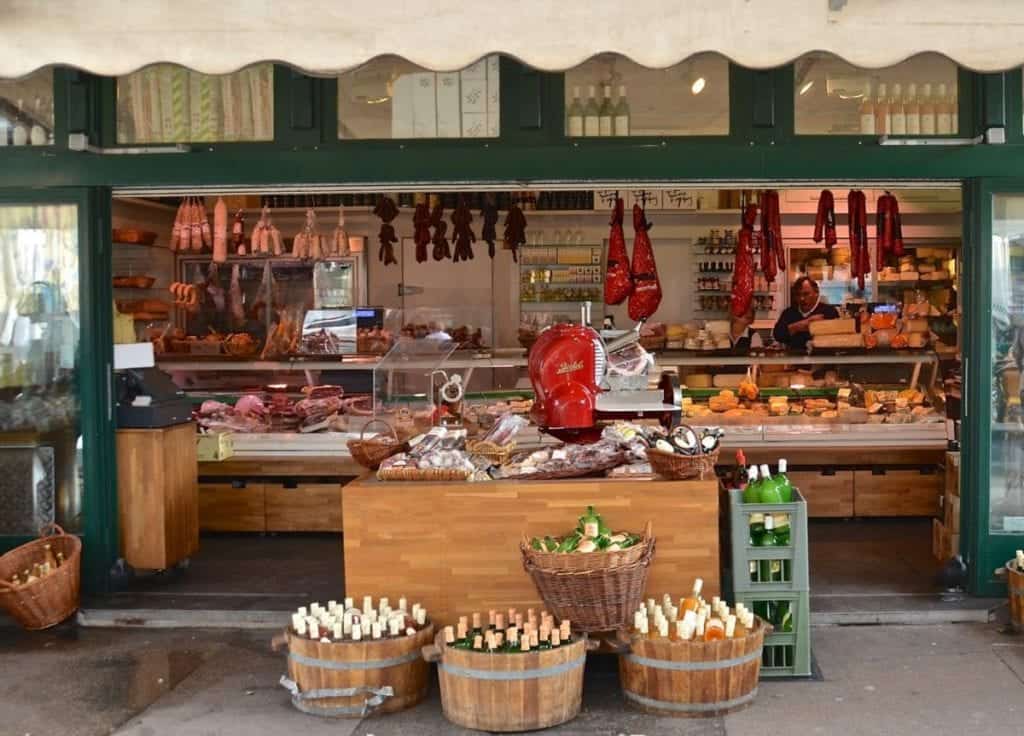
<point x="227" y="507"/>
<point x="896" y="493"/>
<point x="308" y="507"/>
<point x="827" y="495"/>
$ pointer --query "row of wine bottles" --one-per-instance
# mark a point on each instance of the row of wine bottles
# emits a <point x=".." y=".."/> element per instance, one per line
<point x="345" y="622"/>
<point x="46" y="566"/>
<point x="693" y="619"/>
<point x="515" y="634"/>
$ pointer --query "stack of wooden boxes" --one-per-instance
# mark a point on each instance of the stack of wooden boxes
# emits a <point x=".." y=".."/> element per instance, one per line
<point x="946" y="533"/>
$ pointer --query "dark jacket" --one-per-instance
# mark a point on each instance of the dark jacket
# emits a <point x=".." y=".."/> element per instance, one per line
<point x="792" y="315"/>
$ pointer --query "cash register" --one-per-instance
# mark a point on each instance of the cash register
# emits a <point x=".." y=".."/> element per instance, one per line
<point x="147" y="398"/>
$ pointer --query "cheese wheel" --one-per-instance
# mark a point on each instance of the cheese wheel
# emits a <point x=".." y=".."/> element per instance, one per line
<point x="844" y="326"/>
<point x="699" y="380"/>
<point x="839" y="341"/>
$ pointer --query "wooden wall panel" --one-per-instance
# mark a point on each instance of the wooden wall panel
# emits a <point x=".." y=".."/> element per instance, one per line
<point x="827" y="495"/>
<point x="310" y="507"/>
<point x="455" y="546"/>
<point x="224" y="508"/>
<point x="896" y="493"/>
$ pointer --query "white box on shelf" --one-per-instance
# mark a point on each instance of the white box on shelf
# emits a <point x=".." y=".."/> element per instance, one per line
<point x="424" y="105"/>
<point x="679" y="199"/>
<point x="474" y="95"/>
<point x="402" y="107"/>
<point x="605" y="198"/>
<point x="474" y="125"/>
<point x="634" y="196"/>
<point x="448" y="100"/>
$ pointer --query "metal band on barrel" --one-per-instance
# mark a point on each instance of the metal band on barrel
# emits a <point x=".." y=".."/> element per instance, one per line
<point x="511" y="674"/>
<point x="330" y="664"/>
<point x="665" y="664"/>
<point x="367" y="707"/>
<point x="691" y="707"/>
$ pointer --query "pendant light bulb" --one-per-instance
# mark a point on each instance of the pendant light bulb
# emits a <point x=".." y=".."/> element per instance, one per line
<point x="806" y="88"/>
<point x="698" y="85"/>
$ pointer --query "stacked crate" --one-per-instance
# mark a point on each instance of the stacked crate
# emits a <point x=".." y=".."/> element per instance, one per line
<point x="774" y="582"/>
<point x="946" y="533"/>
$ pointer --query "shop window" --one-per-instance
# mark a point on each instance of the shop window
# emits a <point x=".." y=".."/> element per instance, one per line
<point x="26" y="110"/>
<point x="393" y="98"/>
<point x="166" y="103"/>
<point x="917" y="97"/>
<point x="609" y="95"/>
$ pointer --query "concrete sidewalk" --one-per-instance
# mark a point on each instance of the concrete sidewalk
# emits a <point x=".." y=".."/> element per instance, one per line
<point x="952" y="679"/>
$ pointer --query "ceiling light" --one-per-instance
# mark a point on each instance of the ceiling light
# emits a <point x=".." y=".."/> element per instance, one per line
<point x="698" y="85"/>
<point x="806" y="88"/>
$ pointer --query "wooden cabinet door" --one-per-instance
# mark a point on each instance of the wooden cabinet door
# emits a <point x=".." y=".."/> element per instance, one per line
<point x="826" y="495"/>
<point x="308" y="507"/>
<point x="896" y="493"/>
<point x="232" y="507"/>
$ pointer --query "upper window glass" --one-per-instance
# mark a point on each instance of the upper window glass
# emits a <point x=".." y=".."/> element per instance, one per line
<point x="916" y="97"/>
<point x="166" y="103"/>
<point x="26" y="110"/>
<point x="393" y="98"/>
<point x="609" y="95"/>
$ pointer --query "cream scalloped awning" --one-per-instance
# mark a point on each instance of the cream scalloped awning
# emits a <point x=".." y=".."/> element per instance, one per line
<point x="112" y="37"/>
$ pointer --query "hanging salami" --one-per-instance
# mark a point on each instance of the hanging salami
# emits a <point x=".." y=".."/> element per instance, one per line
<point x="773" y="256"/>
<point x="489" y="231"/>
<point x="441" y="249"/>
<point x="386" y="211"/>
<point x="888" y="229"/>
<point x="515" y="231"/>
<point x="421" y="231"/>
<point x="646" y="296"/>
<point x="860" y="255"/>
<point x="462" y="233"/>
<point x="743" y="272"/>
<point x="618" y="279"/>
<point x="825" y="221"/>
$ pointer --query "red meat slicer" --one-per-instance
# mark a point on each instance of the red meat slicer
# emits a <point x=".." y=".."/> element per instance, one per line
<point x="572" y="394"/>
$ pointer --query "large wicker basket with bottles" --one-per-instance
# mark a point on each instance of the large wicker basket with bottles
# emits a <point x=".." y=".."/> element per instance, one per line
<point x="592" y="576"/>
<point x="40" y="580"/>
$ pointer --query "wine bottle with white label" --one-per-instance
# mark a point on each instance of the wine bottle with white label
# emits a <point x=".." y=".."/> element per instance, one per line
<point x="621" y="121"/>
<point x="574" y="116"/>
<point x="591" y="115"/>
<point x="605" y="117"/>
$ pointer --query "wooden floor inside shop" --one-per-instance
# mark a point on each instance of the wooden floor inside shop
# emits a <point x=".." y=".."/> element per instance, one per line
<point x="876" y="565"/>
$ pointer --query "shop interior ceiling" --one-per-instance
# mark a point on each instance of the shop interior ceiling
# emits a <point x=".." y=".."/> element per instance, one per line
<point x="328" y="38"/>
<point x="550" y="186"/>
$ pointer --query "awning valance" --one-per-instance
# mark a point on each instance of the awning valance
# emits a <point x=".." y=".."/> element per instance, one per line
<point x="113" y="37"/>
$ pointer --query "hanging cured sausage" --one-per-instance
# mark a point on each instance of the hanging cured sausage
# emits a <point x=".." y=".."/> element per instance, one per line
<point x="860" y="255"/>
<point x="618" y="279"/>
<point x="825" y="221"/>
<point x="743" y="272"/>
<point x="339" y="241"/>
<point x="386" y="211"/>
<point x="888" y="229"/>
<point x="773" y="256"/>
<point x="220" y="231"/>
<point x="462" y="233"/>
<point x="421" y="230"/>
<point x="238" y="233"/>
<point x="489" y="231"/>
<point x="646" y="296"/>
<point x="440" y="241"/>
<point x="515" y="231"/>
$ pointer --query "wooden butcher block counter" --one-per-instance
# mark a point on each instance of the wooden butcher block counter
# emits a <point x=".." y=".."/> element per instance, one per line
<point x="454" y="546"/>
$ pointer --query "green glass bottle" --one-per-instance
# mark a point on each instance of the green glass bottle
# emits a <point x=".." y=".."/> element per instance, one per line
<point x="769" y="488"/>
<point x="752" y="493"/>
<point x="756" y="529"/>
<point x="783" y="617"/>
<point x="769" y="570"/>
<point x="785" y="485"/>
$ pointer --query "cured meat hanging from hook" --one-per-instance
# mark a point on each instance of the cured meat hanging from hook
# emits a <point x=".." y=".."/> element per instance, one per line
<point x="440" y="239"/>
<point x="308" y="242"/>
<point x="339" y="241"/>
<point x="235" y="297"/>
<point x="462" y="233"/>
<point x="646" y="296"/>
<point x="386" y="211"/>
<point x="515" y="231"/>
<point x="743" y="272"/>
<point x="220" y="231"/>
<point x="860" y="255"/>
<point x="238" y="233"/>
<point x="489" y="231"/>
<point x="197" y="214"/>
<point x="888" y="229"/>
<point x="773" y="255"/>
<point x="825" y="220"/>
<point x="618" y="280"/>
<point x="421" y="231"/>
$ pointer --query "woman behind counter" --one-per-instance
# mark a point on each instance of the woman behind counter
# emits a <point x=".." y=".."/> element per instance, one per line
<point x="794" y="325"/>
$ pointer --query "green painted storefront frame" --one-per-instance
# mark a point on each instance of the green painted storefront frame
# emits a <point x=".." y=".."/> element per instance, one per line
<point x="761" y="146"/>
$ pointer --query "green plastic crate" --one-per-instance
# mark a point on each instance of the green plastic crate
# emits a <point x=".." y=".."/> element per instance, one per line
<point x="768" y="569"/>
<point x="787" y="651"/>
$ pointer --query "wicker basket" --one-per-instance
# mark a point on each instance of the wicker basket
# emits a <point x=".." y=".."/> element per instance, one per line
<point x="423" y="474"/>
<point x="48" y="601"/>
<point x="585" y="562"/>
<point x="497" y="454"/>
<point x="372" y="452"/>
<point x="594" y="600"/>
<point x="683" y="467"/>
